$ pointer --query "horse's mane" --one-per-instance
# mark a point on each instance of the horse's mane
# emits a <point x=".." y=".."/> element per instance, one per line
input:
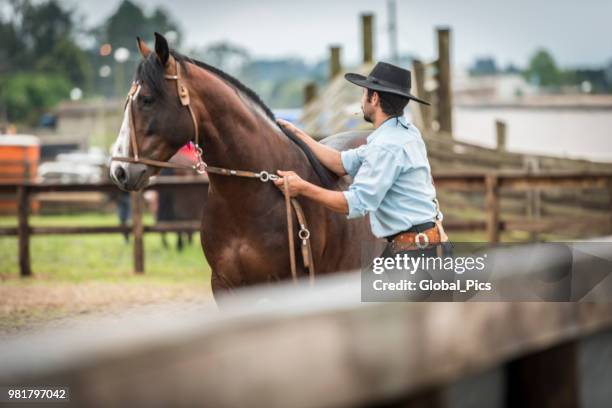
<point x="151" y="72"/>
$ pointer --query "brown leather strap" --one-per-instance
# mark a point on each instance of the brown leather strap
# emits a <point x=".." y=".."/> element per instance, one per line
<point x="304" y="235"/>
<point x="133" y="141"/>
<point x="155" y="163"/>
<point x="229" y="172"/>
<point x="290" y="230"/>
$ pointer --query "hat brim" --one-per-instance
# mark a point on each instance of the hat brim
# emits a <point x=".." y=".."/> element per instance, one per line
<point x="364" y="82"/>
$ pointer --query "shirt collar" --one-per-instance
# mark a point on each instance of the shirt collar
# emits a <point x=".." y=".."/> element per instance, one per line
<point x="392" y="122"/>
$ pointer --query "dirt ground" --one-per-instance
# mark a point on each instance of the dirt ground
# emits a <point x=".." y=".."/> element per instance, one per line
<point x="28" y="308"/>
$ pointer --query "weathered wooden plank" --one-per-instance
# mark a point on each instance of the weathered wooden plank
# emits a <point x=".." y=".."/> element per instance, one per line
<point x="335" y="65"/>
<point x="77" y="230"/>
<point x="319" y="348"/>
<point x="23" y="230"/>
<point x="9" y="231"/>
<point x="367" y="37"/>
<point x="500" y="135"/>
<point x="310" y="92"/>
<point x="545" y="379"/>
<point x="492" y="208"/>
<point x="610" y="204"/>
<point x="105" y="229"/>
<point x="137" y="231"/>
<point x="445" y="103"/>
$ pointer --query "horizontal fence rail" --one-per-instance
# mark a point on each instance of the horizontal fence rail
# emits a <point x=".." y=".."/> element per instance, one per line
<point x="490" y="183"/>
<point x="323" y="347"/>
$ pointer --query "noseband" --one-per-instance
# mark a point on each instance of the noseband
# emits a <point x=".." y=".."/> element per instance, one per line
<point x="183" y="94"/>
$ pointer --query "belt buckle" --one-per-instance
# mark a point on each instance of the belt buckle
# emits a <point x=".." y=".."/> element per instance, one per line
<point x="417" y="240"/>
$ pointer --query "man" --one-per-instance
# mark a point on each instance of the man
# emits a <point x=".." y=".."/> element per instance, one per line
<point x="391" y="174"/>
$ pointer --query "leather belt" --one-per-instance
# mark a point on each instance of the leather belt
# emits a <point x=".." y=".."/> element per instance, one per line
<point x="413" y="240"/>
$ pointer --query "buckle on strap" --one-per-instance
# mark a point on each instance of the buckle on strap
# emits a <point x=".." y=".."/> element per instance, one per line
<point x="425" y="240"/>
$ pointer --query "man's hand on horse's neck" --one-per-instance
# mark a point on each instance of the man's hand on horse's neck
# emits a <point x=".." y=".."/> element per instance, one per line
<point x="329" y="157"/>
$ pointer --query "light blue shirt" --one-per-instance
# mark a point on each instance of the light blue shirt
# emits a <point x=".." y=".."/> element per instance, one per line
<point x="391" y="179"/>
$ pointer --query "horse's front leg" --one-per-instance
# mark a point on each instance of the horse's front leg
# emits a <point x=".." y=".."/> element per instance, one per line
<point x="220" y="287"/>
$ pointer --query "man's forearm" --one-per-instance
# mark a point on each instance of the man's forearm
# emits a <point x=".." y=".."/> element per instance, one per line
<point x="334" y="200"/>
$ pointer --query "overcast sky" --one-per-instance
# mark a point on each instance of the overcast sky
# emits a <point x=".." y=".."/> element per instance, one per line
<point x="577" y="32"/>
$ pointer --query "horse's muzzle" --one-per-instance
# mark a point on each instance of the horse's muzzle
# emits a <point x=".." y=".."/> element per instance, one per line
<point x="129" y="176"/>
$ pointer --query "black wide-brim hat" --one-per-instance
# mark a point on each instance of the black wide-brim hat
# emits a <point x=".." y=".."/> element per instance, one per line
<point x="386" y="78"/>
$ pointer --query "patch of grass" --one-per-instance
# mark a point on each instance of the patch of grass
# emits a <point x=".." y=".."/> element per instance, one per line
<point x="106" y="257"/>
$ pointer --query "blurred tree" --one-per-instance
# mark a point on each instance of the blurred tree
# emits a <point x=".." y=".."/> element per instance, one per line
<point x="68" y="59"/>
<point x="124" y="25"/>
<point x="120" y="29"/>
<point x="161" y="22"/>
<point x="44" y="25"/>
<point x="129" y="21"/>
<point x="38" y="46"/>
<point x="542" y="69"/>
<point x="226" y="56"/>
<point x="25" y="96"/>
<point x="483" y="66"/>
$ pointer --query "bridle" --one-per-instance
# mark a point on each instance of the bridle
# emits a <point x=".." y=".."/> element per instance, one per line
<point x="201" y="167"/>
<point x="183" y="94"/>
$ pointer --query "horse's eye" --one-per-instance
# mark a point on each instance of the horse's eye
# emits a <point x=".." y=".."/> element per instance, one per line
<point x="147" y="100"/>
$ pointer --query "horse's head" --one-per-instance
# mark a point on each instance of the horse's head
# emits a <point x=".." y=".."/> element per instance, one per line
<point x="157" y="119"/>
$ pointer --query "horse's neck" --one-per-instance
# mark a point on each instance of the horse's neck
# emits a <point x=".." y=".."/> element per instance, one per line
<point x="237" y="134"/>
<point x="241" y="142"/>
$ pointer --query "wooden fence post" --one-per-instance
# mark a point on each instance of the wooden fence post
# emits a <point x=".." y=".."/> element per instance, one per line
<point x="310" y="92"/>
<point x="492" y="207"/>
<point x="610" y="204"/>
<point x="425" y="112"/>
<point x="533" y="196"/>
<point x="545" y="379"/>
<point x="368" y="39"/>
<point x="137" y="231"/>
<point x="23" y="230"/>
<point x="335" y="65"/>
<point x="445" y="103"/>
<point x="500" y="135"/>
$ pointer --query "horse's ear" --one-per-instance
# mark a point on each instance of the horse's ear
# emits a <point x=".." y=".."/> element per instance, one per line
<point x="143" y="48"/>
<point x="161" y="48"/>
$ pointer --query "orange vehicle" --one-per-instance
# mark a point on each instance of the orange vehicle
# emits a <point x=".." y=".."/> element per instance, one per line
<point x="19" y="156"/>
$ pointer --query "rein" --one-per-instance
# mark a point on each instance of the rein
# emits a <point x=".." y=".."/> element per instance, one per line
<point x="201" y="167"/>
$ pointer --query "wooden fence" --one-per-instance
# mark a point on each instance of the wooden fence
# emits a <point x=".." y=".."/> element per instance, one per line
<point x="24" y="230"/>
<point x="489" y="183"/>
<point x="319" y="348"/>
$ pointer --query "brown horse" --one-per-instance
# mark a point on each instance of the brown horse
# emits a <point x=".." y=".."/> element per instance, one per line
<point x="244" y="226"/>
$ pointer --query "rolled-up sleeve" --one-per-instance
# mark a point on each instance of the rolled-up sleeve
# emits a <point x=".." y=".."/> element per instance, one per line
<point x="378" y="171"/>
<point x="351" y="160"/>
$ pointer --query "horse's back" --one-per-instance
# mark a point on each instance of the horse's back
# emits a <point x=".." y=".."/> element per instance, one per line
<point x="346" y="140"/>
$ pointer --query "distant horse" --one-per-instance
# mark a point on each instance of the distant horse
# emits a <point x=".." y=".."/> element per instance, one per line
<point x="244" y="221"/>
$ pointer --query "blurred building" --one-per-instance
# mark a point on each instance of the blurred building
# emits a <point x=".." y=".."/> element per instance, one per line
<point x="79" y="125"/>
<point x="500" y="87"/>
